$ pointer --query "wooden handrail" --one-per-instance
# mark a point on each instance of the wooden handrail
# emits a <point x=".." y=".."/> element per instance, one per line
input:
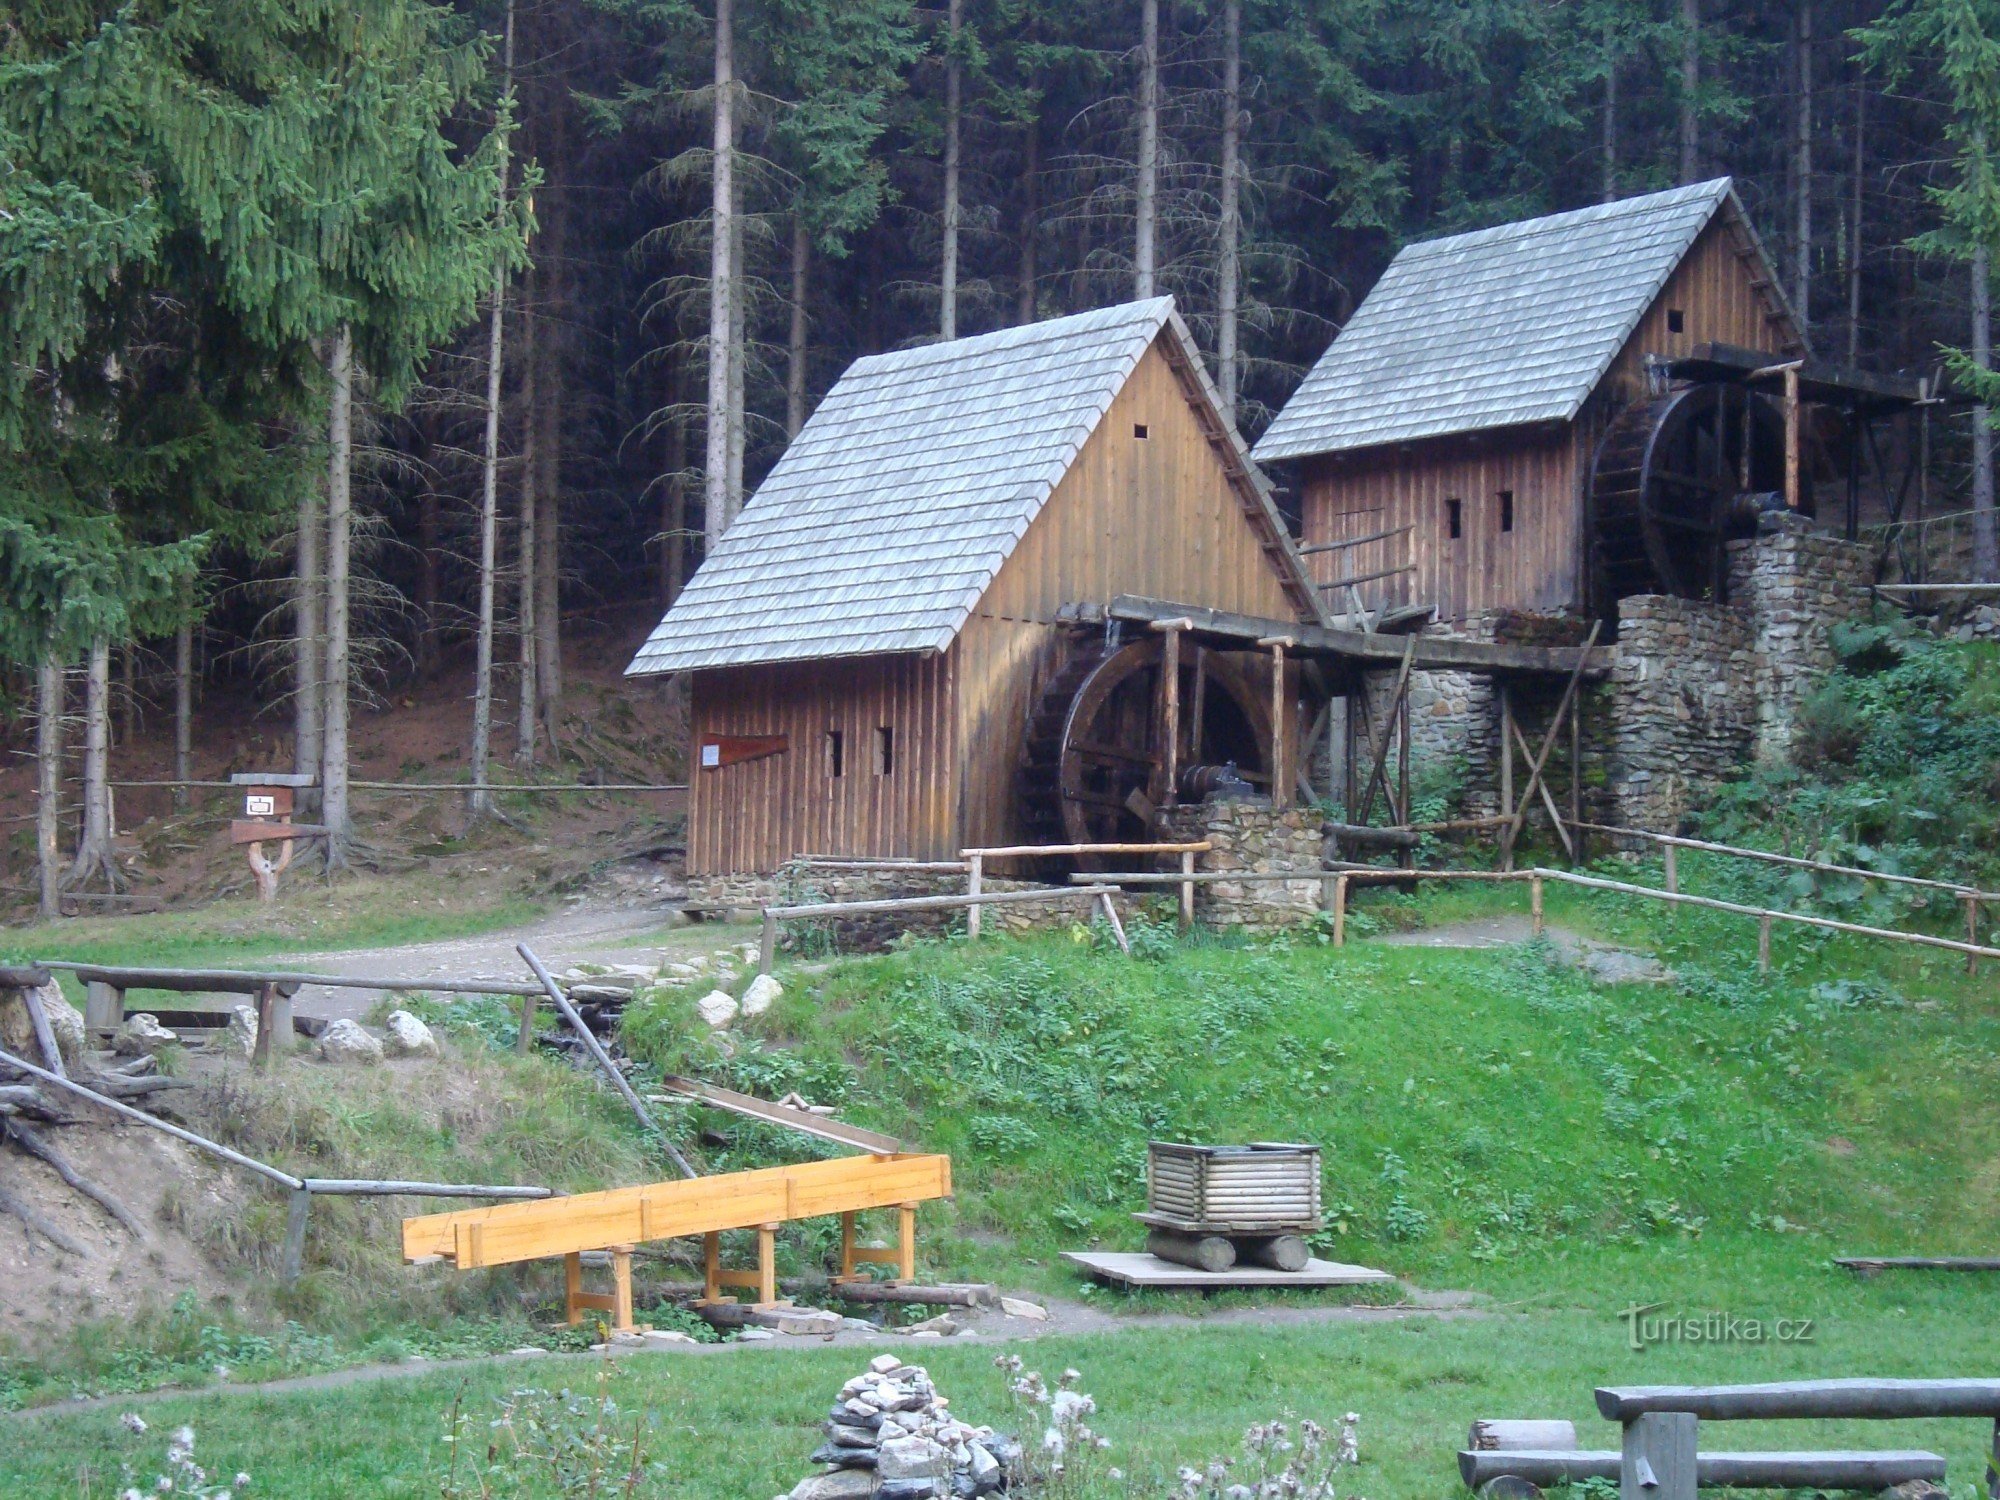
<point x="1024" y="851"/>
<point x="1790" y="861"/>
<point x="1806" y="1399"/>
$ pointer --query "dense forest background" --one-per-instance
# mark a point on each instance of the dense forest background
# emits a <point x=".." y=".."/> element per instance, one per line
<point x="346" y="344"/>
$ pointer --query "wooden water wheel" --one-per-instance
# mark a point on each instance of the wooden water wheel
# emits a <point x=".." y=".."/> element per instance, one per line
<point x="1094" y="765"/>
<point x="1675" y="479"/>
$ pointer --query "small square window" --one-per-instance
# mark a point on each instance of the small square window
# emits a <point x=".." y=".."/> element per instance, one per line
<point x="1506" y="510"/>
<point x="1676" y="320"/>
<point x="1454" y="519"/>
<point x="1139" y="430"/>
<point x="836" y="753"/>
<point x="885" y="750"/>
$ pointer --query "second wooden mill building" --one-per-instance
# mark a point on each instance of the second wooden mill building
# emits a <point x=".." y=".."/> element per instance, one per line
<point x="867" y="644"/>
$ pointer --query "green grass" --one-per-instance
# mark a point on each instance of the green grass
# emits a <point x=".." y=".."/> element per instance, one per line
<point x="740" y="1422"/>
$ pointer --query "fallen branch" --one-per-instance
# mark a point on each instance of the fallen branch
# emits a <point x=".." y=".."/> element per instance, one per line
<point x="43" y="1152"/>
<point x="12" y="1205"/>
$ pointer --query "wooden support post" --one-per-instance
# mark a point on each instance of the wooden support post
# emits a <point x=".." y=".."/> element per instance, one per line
<point x="767" y="946"/>
<point x="1764" y="944"/>
<point x="1993" y="1463"/>
<point x="1535" y="902"/>
<point x="1548" y="802"/>
<point x="1972" y="932"/>
<point x="1170" y="706"/>
<point x="711" y="1268"/>
<point x="906" y="1241"/>
<point x="847" y="1246"/>
<point x="524" y="1043"/>
<point x="1792" y="437"/>
<point x="1409" y="853"/>
<point x="1349" y="763"/>
<point x="267" y="1021"/>
<point x="767" y="1265"/>
<point x="975" y="877"/>
<point x="1512" y="832"/>
<point x="1111" y="916"/>
<point x="1187" y="891"/>
<point x="1506" y="768"/>
<point x="1576" y="779"/>
<point x="573" y="1288"/>
<point x="1673" y="870"/>
<point x="103" y="1007"/>
<point x="1340" y="911"/>
<point x="621" y="1288"/>
<point x="1198" y="710"/>
<point x="1281" y="776"/>
<point x="1658" y="1457"/>
<point x="293" y="1259"/>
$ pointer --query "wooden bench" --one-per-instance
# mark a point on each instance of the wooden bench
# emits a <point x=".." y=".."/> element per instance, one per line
<point x="620" y="1219"/>
<point x="1659" y="1458"/>
<point x="104" y="997"/>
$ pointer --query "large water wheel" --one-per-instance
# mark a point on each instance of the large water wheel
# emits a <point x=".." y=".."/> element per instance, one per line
<point x="1094" y="765"/>
<point x="1676" y="478"/>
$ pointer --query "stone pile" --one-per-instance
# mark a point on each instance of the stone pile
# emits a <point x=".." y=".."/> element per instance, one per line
<point x="891" y="1436"/>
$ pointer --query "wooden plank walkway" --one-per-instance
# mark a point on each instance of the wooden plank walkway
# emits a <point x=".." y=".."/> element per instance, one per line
<point x="1126" y="1269"/>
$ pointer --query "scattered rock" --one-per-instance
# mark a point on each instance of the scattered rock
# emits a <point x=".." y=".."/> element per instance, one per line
<point x="344" y="1041"/>
<point x="754" y="1335"/>
<point x="525" y="1350"/>
<point x="410" y="1037"/>
<point x="840" y="1484"/>
<point x="141" y="1035"/>
<point x="809" y="1321"/>
<point x="655" y="1336"/>
<point x="882" y="1364"/>
<point x="764" y="991"/>
<point x="1014" y="1307"/>
<point x="1622" y="966"/>
<point x="912" y="1458"/>
<point x="243" y="1029"/>
<point x="717" y="1009"/>
<point x="943" y="1324"/>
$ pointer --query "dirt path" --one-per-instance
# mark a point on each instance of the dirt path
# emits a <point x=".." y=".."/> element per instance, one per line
<point x="588" y="930"/>
<point x="988" y="1326"/>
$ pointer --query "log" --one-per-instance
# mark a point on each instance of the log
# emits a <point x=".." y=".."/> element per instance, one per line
<point x="1204" y="1252"/>
<point x="1745" y="1471"/>
<point x="43" y="1152"/>
<point x="1371" y="837"/>
<point x="1494" y="1434"/>
<point x="1868" y="1264"/>
<point x="1806" y="1399"/>
<point x="953" y="1294"/>
<point x="15" y="1097"/>
<point x="26" y="1214"/>
<point x="1280" y="1252"/>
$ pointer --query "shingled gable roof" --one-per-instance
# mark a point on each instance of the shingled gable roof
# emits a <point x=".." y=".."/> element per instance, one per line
<point x="1502" y="326"/>
<point x="899" y="501"/>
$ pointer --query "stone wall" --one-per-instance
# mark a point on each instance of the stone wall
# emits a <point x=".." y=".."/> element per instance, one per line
<point x="1682" y="703"/>
<point x="1251" y="835"/>
<point x="1794" y="583"/>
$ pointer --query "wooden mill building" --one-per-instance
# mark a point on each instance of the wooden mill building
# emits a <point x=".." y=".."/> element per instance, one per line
<point x="1445" y="444"/>
<point x="868" y="645"/>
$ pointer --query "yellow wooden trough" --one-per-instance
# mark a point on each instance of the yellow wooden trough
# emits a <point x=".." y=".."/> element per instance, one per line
<point x="619" y="1219"/>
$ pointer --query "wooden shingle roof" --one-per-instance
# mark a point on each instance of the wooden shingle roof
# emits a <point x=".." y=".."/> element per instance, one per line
<point x="1502" y="326"/>
<point x="896" y="505"/>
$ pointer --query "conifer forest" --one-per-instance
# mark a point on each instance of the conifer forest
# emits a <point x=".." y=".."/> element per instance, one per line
<point x="353" y="347"/>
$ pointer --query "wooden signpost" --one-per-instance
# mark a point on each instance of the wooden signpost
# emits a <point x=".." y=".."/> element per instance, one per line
<point x="268" y="798"/>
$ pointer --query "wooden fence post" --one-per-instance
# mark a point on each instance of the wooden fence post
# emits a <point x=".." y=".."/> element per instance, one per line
<point x="767" y="947"/>
<point x="1340" y="911"/>
<point x="525" y="1042"/>
<point x="1972" y="933"/>
<point x="103" y="1006"/>
<point x="1658" y="1457"/>
<point x="1764" y="944"/>
<point x="1673" y="870"/>
<point x="267" y="1022"/>
<point x="293" y="1262"/>
<point x="1535" y="902"/>
<point x="975" y="877"/>
<point x="1187" y="891"/>
<point x="906" y="1241"/>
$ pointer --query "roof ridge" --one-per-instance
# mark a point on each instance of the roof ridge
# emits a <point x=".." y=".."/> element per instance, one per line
<point x="1150" y="309"/>
<point x="1570" y="219"/>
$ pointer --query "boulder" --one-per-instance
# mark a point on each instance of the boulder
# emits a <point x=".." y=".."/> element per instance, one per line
<point x="65" y="1020"/>
<point x="1014" y="1307"/>
<point x="844" y="1458"/>
<point x="984" y="1469"/>
<point x="763" y="992"/>
<point x="243" y="1028"/>
<point x="717" y="1009"/>
<point x="840" y="1484"/>
<point x="141" y="1035"/>
<point x="912" y="1458"/>
<point x="410" y="1037"/>
<point x="344" y="1041"/>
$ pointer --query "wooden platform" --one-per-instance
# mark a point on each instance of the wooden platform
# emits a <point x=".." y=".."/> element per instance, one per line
<point x="1127" y="1269"/>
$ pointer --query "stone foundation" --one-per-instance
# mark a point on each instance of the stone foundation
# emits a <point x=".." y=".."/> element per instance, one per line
<point x="1250" y="835"/>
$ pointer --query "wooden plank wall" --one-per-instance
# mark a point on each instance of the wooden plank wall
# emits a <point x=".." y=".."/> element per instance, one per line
<point x="1531" y="567"/>
<point x="754" y="816"/>
<point x="1541" y="566"/>
<point x="1156" y="515"/>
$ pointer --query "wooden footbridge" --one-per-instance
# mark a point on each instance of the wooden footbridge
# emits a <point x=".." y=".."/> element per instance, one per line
<point x="619" y="1220"/>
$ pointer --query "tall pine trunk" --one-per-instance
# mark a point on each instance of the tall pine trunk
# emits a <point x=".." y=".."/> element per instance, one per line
<point x="48" y="784"/>
<point x="1690" y="119"/>
<point x="548" y="535"/>
<point x="308" y="697"/>
<point x="489" y="482"/>
<point x="673" y="496"/>
<point x="954" y="83"/>
<point x="1228" y="268"/>
<point x="1146" y="191"/>
<point x="1802" y="171"/>
<point x="94" y="852"/>
<point x="721" y="279"/>
<point x="526" y="576"/>
<point x="339" y="511"/>
<point x="1608" y="145"/>
<point x="1029" y="271"/>
<point x="739" y="356"/>
<point x="1859" y="204"/>
<point x="1985" y="539"/>
<point x="795" y="345"/>
<point x="183" y="710"/>
<point x="430" y="526"/>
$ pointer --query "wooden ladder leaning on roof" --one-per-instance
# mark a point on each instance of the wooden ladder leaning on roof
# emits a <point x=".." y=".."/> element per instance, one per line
<point x="620" y="1219"/>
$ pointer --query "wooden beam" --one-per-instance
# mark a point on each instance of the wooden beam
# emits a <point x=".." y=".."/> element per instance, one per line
<point x="1548" y="798"/>
<point x="1170" y="703"/>
<point x="1792" y="437"/>
<point x="1806" y="1400"/>
<point x="1357" y="541"/>
<point x="1382" y="746"/>
<point x="1513" y="830"/>
<point x="1281" y="790"/>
